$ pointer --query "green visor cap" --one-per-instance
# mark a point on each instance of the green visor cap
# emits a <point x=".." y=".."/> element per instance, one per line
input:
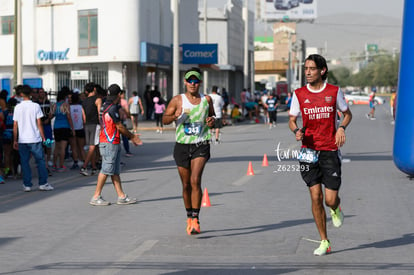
<point x="193" y="73"/>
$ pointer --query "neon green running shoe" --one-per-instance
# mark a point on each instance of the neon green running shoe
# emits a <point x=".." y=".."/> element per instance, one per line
<point x="337" y="216"/>
<point x="324" y="248"/>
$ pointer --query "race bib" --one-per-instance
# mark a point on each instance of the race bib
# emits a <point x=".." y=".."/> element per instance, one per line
<point x="308" y="155"/>
<point x="192" y="129"/>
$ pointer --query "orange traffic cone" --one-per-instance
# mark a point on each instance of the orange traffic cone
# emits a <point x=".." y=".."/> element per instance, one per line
<point x="205" y="202"/>
<point x="265" y="162"/>
<point x="250" y="171"/>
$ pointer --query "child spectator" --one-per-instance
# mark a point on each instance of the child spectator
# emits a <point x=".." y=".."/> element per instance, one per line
<point x="159" y="108"/>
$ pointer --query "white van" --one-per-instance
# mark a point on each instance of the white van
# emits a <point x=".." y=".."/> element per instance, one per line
<point x="285" y="4"/>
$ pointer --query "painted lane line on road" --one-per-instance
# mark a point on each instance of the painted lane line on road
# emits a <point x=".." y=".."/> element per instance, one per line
<point x="245" y="179"/>
<point x="130" y="257"/>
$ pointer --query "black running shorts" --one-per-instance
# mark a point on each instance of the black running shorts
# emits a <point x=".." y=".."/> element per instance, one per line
<point x="326" y="171"/>
<point x="184" y="153"/>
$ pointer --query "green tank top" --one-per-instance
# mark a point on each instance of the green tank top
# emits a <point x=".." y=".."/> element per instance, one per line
<point x="191" y="127"/>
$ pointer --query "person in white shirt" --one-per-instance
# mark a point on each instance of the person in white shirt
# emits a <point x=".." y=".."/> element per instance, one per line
<point x="218" y="104"/>
<point x="28" y="137"/>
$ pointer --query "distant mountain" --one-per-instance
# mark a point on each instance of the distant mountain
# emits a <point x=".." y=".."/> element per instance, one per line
<point x="343" y="34"/>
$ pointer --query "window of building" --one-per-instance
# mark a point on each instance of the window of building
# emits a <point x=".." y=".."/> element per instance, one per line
<point x="7" y="24"/>
<point x="88" y="32"/>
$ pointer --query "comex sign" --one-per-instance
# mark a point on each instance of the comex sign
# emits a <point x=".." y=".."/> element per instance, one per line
<point x="52" y="55"/>
<point x="199" y="53"/>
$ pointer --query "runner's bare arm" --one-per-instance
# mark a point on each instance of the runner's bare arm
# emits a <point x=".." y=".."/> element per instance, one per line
<point x="294" y="128"/>
<point x="340" y="136"/>
<point x="172" y="112"/>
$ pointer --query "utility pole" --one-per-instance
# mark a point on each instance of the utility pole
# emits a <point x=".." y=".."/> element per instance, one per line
<point x="205" y="73"/>
<point x="246" y="45"/>
<point x="17" y="69"/>
<point x="176" y="50"/>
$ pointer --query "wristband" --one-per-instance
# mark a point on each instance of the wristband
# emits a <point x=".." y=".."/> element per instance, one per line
<point x="296" y="130"/>
<point x="343" y="127"/>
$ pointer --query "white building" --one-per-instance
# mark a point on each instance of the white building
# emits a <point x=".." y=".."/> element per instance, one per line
<point x="72" y="42"/>
<point x="226" y="26"/>
<point x="128" y="42"/>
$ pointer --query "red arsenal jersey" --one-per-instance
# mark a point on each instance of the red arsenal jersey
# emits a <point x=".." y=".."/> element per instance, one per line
<point x="319" y="117"/>
<point x="109" y="116"/>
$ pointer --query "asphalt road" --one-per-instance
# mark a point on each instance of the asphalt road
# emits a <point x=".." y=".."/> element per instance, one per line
<point x="260" y="224"/>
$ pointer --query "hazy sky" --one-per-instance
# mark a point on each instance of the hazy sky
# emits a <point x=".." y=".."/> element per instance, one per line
<point x="393" y="8"/>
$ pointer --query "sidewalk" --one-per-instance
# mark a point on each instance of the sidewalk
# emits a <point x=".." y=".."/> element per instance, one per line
<point x="150" y="125"/>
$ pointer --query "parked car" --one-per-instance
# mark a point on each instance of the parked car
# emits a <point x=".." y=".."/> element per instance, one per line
<point x="359" y="97"/>
<point x="285" y="4"/>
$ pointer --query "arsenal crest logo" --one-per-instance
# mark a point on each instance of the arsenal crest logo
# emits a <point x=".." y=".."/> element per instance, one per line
<point x="328" y="99"/>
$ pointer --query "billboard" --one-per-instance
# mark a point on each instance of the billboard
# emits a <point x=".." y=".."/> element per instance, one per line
<point x="288" y="10"/>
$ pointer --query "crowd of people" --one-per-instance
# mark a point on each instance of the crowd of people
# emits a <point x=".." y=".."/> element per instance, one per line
<point x="70" y="129"/>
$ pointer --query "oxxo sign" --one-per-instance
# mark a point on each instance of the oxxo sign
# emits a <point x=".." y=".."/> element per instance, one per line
<point x="200" y="53"/>
<point x="52" y="55"/>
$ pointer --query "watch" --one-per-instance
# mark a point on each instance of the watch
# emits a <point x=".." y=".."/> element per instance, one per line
<point x="343" y="127"/>
<point x="296" y="130"/>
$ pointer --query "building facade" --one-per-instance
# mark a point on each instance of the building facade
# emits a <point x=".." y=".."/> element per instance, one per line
<point x="226" y="26"/>
<point x="72" y="42"/>
<point x="128" y="42"/>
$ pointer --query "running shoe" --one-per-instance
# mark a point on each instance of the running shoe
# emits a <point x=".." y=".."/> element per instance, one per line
<point x="94" y="171"/>
<point x="46" y="187"/>
<point x="27" y="188"/>
<point x="126" y="200"/>
<point x="195" y="226"/>
<point x="99" y="201"/>
<point x="324" y="248"/>
<point x="84" y="171"/>
<point x="189" y="226"/>
<point x="337" y="216"/>
<point x="61" y="169"/>
<point x="128" y="155"/>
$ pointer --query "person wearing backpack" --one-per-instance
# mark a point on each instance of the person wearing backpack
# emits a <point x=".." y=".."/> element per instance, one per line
<point x="110" y="148"/>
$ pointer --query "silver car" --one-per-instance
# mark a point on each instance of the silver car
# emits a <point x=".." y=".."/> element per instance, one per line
<point x="285" y="4"/>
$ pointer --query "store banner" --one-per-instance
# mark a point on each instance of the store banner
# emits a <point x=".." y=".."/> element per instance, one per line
<point x="199" y="53"/>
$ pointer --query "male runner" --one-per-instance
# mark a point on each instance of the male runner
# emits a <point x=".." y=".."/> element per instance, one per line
<point x="319" y="158"/>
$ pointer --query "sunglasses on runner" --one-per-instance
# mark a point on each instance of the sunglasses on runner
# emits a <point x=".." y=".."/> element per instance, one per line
<point x="193" y="81"/>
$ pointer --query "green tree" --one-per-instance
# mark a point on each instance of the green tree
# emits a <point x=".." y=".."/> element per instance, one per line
<point x="381" y="70"/>
<point x="342" y="75"/>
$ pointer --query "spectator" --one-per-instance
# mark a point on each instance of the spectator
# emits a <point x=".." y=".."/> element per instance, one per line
<point x="109" y="139"/>
<point x="63" y="129"/>
<point x="91" y="106"/>
<point x="28" y="136"/>
<point x="44" y="103"/>
<point x="226" y="99"/>
<point x="77" y="142"/>
<point x="218" y="104"/>
<point x="135" y="108"/>
<point x="159" y="108"/>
